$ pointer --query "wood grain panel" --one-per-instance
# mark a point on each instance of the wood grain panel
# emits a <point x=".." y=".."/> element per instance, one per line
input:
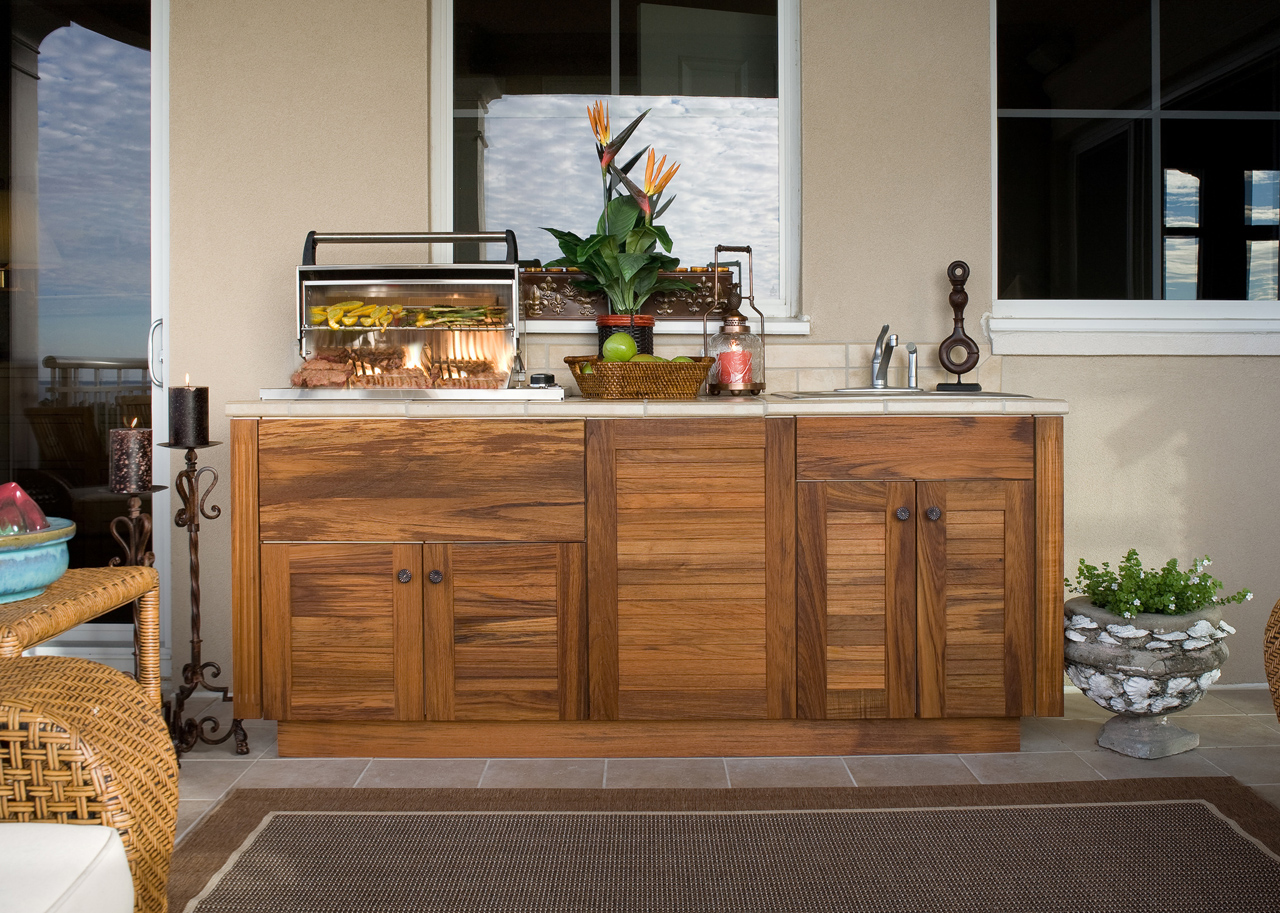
<point x="571" y="617"/>
<point x="437" y="612"/>
<point x="678" y="669"/>
<point x="1019" y="600"/>
<point x="342" y="635"/>
<point x="246" y="605"/>
<point x="857" y="704"/>
<point x="1049" y="569"/>
<point x="747" y="704"/>
<point x="975" y="667"/>
<point x="931" y="600"/>
<point x="486" y="664"/>
<point x="602" y="569"/>
<point x="409" y="649"/>
<point x="811" y="600"/>
<point x="700" y="433"/>
<point x="908" y="448"/>
<point x="646" y="739"/>
<point x="275" y="631"/>
<point x="418" y="480"/>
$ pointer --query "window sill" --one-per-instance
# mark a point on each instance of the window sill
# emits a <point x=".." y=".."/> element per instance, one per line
<point x="1134" y="328"/>
<point x="789" y="326"/>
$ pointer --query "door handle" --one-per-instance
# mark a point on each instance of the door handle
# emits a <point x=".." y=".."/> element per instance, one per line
<point x="157" y="376"/>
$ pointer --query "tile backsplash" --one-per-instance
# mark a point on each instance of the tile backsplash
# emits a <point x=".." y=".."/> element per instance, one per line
<point x="789" y="366"/>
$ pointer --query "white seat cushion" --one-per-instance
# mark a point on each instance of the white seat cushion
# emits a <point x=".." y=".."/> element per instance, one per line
<point x="63" y="868"/>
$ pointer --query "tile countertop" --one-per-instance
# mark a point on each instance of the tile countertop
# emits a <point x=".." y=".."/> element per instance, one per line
<point x="577" y="407"/>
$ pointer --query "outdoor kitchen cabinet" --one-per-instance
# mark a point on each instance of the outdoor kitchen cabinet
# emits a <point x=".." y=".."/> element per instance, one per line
<point x="626" y="586"/>
<point x="437" y="631"/>
<point x="409" y="570"/>
<point x="917" y="567"/>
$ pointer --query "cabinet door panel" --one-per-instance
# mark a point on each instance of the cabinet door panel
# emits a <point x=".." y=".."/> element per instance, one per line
<point x="342" y="635"/>
<point x="974" y="598"/>
<point x="855" y="594"/>
<point x="505" y="639"/>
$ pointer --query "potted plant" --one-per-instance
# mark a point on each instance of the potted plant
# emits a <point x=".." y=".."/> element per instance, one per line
<point x="1144" y="643"/>
<point x="622" y="257"/>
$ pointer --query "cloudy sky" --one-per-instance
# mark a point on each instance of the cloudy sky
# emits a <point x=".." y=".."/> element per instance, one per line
<point x="95" y="196"/>
<point x="541" y="169"/>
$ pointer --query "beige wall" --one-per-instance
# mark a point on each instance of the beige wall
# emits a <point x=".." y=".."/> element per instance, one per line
<point x="288" y="116"/>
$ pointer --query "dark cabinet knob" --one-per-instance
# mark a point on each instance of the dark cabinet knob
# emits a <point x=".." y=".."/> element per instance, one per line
<point x="404" y="575"/>
<point x="435" y="576"/>
<point x="903" y="513"/>
<point x="933" y="513"/>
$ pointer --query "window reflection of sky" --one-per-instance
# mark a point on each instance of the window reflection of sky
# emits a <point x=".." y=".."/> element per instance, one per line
<point x="1262" y="198"/>
<point x="1181" y="268"/>
<point x="541" y="171"/>
<point x="95" y="195"/>
<point x="1181" y="199"/>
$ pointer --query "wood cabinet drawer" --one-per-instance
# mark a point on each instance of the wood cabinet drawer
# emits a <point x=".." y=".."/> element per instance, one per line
<point x="964" y="447"/>
<point x="420" y="480"/>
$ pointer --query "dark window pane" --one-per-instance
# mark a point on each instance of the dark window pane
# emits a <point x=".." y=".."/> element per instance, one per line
<point x="1220" y="56"/>
<point x="1087" y="54"/>
<point x="1074" y="208"/>
<point x="1234" y="162"/>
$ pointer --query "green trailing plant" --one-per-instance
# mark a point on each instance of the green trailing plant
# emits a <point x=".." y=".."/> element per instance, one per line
<point x="1130" y="588"/>
<point x="622" y="257"/>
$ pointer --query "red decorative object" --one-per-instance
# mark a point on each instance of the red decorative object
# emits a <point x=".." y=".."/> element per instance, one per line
<point x="735" y="365"/>
<point x="18" y="513"/>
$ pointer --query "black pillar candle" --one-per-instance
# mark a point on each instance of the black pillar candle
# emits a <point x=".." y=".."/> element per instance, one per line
<point x="188" y="416"/>
<point x="130" y="460"/>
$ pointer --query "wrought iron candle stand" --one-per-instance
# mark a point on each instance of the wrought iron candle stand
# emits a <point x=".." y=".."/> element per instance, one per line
<point x="186" y="733"/>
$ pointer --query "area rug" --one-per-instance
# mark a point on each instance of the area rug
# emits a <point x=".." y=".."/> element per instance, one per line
<point x="1129" y="846"/>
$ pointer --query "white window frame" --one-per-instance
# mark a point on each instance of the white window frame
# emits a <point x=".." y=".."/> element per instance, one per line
<point x="1118" y="327"/>
<point x="783" y="314"/>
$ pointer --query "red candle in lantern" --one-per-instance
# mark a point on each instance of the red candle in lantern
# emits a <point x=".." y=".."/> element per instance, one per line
<point x="735" y="365"/>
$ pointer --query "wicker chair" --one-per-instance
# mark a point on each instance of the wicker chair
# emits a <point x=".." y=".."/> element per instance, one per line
<point x="1271" y="655"/>
<point x="81" y="743"/>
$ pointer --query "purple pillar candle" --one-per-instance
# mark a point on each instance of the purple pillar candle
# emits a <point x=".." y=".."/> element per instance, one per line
<point x="130" y="460"/>
<point x="188" y="416"/>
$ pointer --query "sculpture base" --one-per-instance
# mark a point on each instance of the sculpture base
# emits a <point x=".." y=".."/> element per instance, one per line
<point x="1146" y="737"/>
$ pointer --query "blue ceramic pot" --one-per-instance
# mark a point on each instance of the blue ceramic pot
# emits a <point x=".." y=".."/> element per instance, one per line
<point x="29" y="562"/>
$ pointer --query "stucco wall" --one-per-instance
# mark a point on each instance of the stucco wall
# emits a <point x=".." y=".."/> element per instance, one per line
<point x="288" y="116"/>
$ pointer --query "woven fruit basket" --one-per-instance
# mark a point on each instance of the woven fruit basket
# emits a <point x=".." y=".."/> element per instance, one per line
<point x="638" y="380"/>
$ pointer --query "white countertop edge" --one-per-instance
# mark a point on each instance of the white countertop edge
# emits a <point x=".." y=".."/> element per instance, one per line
<point x="576" y="407"/>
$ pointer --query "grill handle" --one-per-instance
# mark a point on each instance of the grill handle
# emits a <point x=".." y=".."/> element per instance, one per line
<point x="430" y="237"/>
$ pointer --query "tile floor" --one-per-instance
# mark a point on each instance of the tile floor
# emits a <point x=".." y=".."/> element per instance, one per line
<point x="1239" y="736"/>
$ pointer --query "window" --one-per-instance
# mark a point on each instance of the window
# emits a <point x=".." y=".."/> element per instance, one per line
<point x="1138" y="145"/>
<point x="716" y="85"/>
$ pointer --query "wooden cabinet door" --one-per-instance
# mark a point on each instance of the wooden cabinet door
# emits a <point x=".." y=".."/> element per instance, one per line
<point x="505" y="631"/>
<point x="975" y="598"/>
<point x="855" y="600"/>
<point x="342" y="634"/>
<point x="691" y="610"/>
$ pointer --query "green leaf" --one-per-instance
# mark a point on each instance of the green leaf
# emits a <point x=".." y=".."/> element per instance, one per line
<point x="662" y="232"/>
<point x="631" y="264"/>
<point x="640" y="239"/>
<point x="587" y="247"/>
<point x="622" y="213"/>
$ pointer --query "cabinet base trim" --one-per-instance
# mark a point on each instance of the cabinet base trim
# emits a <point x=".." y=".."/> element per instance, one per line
<point x="683" y="739"/>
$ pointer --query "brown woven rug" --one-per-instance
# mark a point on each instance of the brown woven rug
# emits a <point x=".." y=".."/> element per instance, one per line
<point x="1129" y="846"/>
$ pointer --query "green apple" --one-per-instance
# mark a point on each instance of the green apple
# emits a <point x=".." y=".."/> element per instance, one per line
<point x="618" y="347"/>
<point x="586" y="368"/>
<point x="682" y="358"/>
<point x="649" y="358"/>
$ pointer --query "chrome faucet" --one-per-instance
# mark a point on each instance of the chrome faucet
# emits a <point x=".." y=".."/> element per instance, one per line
<point x="881" y="356"/>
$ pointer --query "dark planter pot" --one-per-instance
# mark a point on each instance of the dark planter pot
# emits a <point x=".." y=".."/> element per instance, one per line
<point x="638" y="326"/>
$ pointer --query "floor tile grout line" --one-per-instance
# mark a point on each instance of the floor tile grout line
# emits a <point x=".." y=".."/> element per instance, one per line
<point x="848" y="770"/>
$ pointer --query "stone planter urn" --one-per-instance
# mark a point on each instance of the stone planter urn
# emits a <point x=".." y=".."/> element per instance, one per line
<point x="1144" y="668"/>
